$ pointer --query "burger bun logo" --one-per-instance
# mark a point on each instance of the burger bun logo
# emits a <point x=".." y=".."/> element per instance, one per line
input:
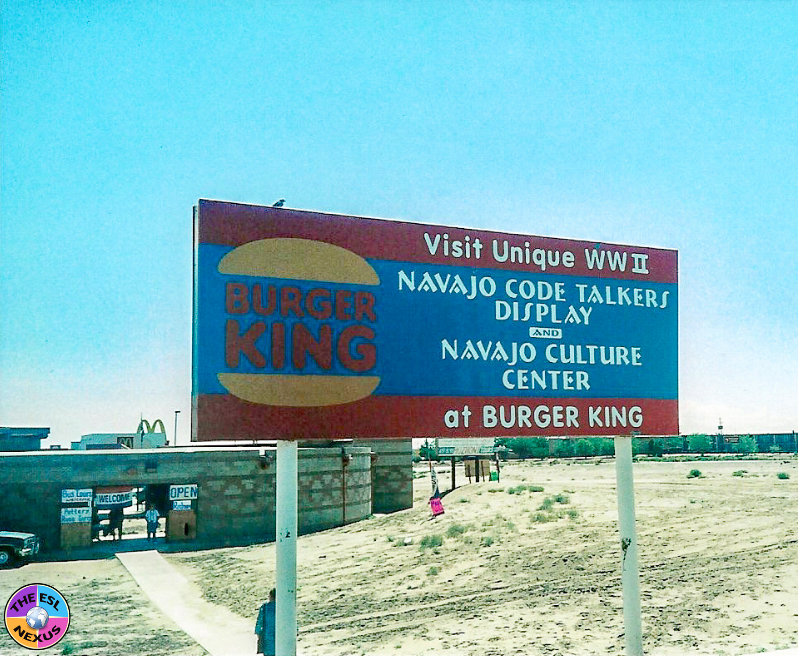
<point x="275" y="325"/>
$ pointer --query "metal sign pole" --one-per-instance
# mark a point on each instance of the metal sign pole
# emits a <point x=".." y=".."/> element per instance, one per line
<point x="285" y="611"/>
<point x="630" y="577"/>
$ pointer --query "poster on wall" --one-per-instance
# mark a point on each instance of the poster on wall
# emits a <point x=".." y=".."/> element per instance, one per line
<point x="76" y="515"/>
<point x="183" y="492"/>
<point x="81" y="496"/>
<point x="319" y="326"/>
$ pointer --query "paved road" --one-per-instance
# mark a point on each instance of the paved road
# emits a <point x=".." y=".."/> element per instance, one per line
<point x="216" y="629"/>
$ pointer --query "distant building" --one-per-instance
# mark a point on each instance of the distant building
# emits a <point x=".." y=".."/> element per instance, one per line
<point x="94" y="441"/>
<point x="22" y="439"/>
<point x="147" y="436"/>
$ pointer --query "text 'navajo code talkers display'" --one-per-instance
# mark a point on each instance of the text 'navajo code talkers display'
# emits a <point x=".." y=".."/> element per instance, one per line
<point x="318" y="326"/>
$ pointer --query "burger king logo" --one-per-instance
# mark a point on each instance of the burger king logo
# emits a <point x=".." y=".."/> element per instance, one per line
<point x="300" y="318"/>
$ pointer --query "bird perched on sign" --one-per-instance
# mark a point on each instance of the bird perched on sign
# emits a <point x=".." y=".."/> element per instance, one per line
<point x="279" y="203"/>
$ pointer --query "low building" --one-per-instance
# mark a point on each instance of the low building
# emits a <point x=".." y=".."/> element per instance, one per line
<point x="22" y="439"/>
<point x="95" y="441"/>
<point x="209" y="496"/>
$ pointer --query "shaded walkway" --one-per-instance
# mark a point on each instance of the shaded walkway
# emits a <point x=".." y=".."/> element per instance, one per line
<point x="216" y="629"/>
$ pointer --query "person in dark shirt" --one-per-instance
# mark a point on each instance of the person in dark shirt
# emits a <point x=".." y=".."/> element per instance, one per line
<point x="265" y="626"/>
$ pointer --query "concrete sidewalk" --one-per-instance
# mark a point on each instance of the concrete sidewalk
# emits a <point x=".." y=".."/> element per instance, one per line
<point x="216" y="629"/>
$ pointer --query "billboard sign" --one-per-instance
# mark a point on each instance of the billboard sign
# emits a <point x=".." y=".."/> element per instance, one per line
<point x="310" y="325"/>
<point x="465" y="446"/>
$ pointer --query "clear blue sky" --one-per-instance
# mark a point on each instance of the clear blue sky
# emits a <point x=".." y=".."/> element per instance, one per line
<point x="651" y="123"/>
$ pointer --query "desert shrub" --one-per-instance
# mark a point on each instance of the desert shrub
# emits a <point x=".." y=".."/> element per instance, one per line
<point x="572" y="513"/>
<point x="496" y="489"/>
<point x="535" y="488"/>
<point x="431" y="541"/>
<point x="455" y="529"/>
<point x="740" y="472"/>
<point x="463" y="500"/>
<point x="541" y="518"/>
<point x="783" y="476"/>
<point x="694" y="473"/>
<point x="486" y="540"/>
<point x="548" y="502"/>
<point x="433" y="571"/>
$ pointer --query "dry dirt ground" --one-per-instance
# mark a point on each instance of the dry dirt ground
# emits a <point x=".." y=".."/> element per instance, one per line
<point x="109" y="616"/>
<point x="517" y="571"/>
<point x="521" y="571"/>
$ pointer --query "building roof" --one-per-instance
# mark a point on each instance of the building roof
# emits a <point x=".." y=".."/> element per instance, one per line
<point x="24" y="433"/>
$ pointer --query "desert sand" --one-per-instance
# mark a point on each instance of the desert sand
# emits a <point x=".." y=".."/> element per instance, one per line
<point x="517" y="574"/>
<point x="109" y="616"/>
<point x="516" y="571"/>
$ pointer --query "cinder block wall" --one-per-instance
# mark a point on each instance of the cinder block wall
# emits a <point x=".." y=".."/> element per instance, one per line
<point x="391" y="474"/>
<point x="236" y="499"/>
<point x="335" y="487"/>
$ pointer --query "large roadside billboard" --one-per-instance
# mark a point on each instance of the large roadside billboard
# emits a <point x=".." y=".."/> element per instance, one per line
<point x="318" y="326"/>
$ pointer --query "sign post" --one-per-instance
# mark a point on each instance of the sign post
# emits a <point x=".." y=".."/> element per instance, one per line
<point x="630" y="577"/>
<point x="285" y="612"/>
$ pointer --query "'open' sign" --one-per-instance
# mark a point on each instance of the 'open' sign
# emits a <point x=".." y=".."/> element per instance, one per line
<point x="182" y="492"/>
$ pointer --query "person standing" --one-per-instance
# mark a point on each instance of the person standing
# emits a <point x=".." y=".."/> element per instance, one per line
<point x="152" y="515"/>
<point x="265" y="625"/>
<point x="115" y="518"/>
